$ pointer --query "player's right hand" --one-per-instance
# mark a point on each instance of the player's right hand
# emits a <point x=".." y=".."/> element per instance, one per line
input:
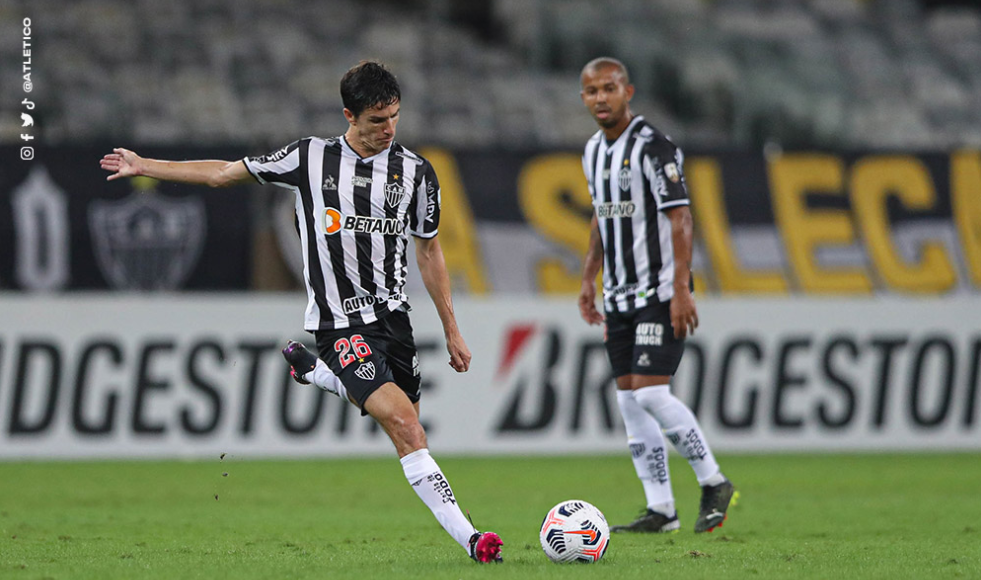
<point x="122" y="163"/>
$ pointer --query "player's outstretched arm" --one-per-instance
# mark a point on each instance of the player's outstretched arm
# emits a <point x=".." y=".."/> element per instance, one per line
<point x="213" y="173"/>
<point x="432" y="266"/>
<point x="591" y="264"/>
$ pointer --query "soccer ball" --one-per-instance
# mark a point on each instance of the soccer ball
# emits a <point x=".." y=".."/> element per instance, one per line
<point x="575" y="531"/>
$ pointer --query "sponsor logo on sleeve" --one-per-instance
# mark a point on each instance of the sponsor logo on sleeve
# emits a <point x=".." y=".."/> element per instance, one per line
<point x="671" y="171"/>
<point x="271" y="157"/>
<point x="434" y="202"/>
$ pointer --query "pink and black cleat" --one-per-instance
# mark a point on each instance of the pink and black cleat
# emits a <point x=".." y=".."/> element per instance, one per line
<point x="486" y="547"/>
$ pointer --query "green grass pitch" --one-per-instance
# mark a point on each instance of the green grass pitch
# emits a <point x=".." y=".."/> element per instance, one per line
<point x="799" y="516"/>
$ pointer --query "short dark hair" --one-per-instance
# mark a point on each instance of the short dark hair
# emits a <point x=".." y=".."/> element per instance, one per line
<point x="368" y="85"/>
<point x="604" y="62"/>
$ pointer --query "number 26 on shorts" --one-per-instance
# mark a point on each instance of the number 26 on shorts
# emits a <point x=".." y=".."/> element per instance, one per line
<point x="350" y="350"/>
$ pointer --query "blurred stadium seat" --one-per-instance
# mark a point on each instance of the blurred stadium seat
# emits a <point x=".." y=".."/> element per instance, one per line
<point x="722" y="73"/>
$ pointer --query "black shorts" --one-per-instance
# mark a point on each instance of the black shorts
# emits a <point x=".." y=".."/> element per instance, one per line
<point x="642" y="342"/>
<point x="366" y="357"/>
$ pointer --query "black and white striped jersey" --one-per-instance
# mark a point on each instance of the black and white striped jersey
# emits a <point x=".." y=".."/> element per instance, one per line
<point x="354" y="218"/>
<point x="632" y="181"/>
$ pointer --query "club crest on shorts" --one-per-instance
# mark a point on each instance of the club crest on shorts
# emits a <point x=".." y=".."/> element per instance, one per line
<point x="366" y="371"/>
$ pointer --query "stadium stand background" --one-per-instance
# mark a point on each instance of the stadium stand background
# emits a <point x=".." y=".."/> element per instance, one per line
<point x="833" y="152"/>
<point x="491" y="89"/>
<point x="723" y="73"/>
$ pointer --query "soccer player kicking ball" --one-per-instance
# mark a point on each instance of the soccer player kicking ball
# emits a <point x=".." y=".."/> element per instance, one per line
<point x="357" y="197"/>
<point x="642" y="238"/>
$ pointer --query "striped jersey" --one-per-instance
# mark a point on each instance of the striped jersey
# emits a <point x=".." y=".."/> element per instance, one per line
<point x="354" y="216"/>
<point x="632" y="181"/>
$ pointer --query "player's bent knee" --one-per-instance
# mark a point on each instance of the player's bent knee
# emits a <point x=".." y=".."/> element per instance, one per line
<point x="406" y="434"/>
<point x="398" y="417"/>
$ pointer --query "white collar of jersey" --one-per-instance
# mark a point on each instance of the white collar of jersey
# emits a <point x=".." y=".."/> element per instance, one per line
<point x="346" y="148"/>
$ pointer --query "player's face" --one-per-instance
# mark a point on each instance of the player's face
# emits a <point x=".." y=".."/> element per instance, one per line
<point x="606" y="95"/>
<point x="374" y="129"/>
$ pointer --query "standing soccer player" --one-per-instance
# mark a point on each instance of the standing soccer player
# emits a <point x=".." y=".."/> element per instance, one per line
<point x="642" y="238"/>
<point x="357" y="197"/>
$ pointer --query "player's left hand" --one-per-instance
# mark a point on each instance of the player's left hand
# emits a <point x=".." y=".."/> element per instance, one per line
<point x="459" y="353"/>
<point x="684" y="316"/>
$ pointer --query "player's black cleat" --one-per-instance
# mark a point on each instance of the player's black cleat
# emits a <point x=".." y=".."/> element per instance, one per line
<point x="301" y="361"/>
<point x="650" y="522"/>
<point x="486" y="547"/>
<point x="715" y="502"/>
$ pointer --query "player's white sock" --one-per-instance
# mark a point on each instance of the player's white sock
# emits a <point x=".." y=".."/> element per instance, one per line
<point x="432" y="488"/>
<point x="649" y="453"/>
<point x="323" y="377"/>
<point x="682" y="429"/>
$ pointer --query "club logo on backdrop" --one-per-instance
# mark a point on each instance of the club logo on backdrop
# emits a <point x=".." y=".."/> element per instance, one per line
<point x="147" y="241"/>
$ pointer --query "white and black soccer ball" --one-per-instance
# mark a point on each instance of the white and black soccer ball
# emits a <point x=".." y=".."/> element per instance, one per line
<point x="575" y="531"/>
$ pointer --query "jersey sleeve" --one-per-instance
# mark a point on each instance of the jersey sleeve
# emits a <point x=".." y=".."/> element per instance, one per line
<point x="281" y="167"/>
<point x="587" y="171"/>
<point x="664" y="174"/>
<point x="425" y="205"/>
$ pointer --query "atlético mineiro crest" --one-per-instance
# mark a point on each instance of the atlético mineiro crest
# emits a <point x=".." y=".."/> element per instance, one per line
<point x="366" y="371"/>
<point x="394" y="193"/>
<point x="148" y="241"/>
<point x="624" y="178"/>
